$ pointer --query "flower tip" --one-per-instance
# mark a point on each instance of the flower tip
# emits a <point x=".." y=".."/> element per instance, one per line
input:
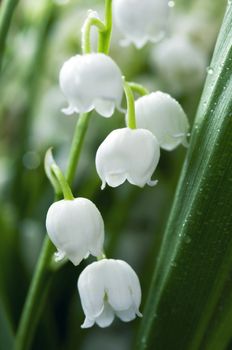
<point x="139" y="314"/>
<point x="59" y="256"/>
<point x="103" y="186"/>
<point x="68" y="110"/>
<point x="152" y="183"/>
<point x="87" y="324"/>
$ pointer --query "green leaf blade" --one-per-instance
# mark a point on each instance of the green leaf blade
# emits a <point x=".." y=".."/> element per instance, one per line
<point x="196" y="254"/>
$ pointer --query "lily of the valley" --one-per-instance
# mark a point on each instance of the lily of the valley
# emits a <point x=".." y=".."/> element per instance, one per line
<point x="91" y="81"/>
<point x="76" y="228"/>
<point x="128" y="154"/>
<point x="141" y="21"/>
<point x="161" y="114"/>
<point x="180" y="63"/>
<point x="107" y="288"/>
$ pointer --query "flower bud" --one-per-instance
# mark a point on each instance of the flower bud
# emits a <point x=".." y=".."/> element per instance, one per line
<point x="91" y="81"/>
<point x="164" y="117"/>
<point x="107" y="288"/>
<point x="127" y="154"/>
<point x="141" y="21"/>
<point x="180" y="64"/>
<point x="76" y="228"/>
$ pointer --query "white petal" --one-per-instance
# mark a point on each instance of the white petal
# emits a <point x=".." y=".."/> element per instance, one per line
<point x="133" y="283"/>
<point x="106" y="287"/>
<point x="92" y="291"/>
<point x="116" y="178"/>
<point x="141" y="21"/>
<point x="121" y="157"/>
<point x="106" y="317"/>
<point x="152" y="183"/>
<point x="162" y="115"/>
<point x="87" y="323"/>
<point x="92" y="80"/>
<point x="104" y="107"/>
<point x="117" y="288"/>
<point x="69" y="110"/>
<point x="75" y="227"/>
<point x="127" y="315"/>
<point x="96" y="246"/>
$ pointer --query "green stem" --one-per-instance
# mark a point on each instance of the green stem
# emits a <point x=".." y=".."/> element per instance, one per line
<point x="105" y="37"/>
<point x="8" y="8"/>
<point x="67" y="193"/>
<point x="104" y="30"/>
<point x="36" y="297"/>
<point x="86" y="37"/>
<point x="102" y="256"/>
<point x="140" y="89"/>
<point x="44" y="270"/>
<point x="78" y="139"/>
<point x="130" y="106"/>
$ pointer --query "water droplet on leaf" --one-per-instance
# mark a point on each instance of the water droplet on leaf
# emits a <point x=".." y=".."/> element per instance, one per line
<point x="210" y="70"/>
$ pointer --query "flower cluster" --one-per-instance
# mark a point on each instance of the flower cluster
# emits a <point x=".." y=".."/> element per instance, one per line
<point x="91" y="81"/>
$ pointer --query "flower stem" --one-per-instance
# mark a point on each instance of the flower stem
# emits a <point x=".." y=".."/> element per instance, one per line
<point x="105" y="37"/>
<point x="140" y="89"/>
<point x="104" y="30"/>
<point x="36" y="297"/>
<point x="78" y="139"/>
<point x="8" y="8"/>
<point x="102" y="256"/>
<point x="86" y="32"/>
<point x="130" y="106"/>
<point x="44" y="271"/>
<point x="67" y="193"/>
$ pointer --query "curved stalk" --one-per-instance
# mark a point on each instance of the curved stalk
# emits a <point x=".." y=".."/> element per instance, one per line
<point x="7" y="12"/>
<point x="130" y="106"/>
<point x="45" y="269"/>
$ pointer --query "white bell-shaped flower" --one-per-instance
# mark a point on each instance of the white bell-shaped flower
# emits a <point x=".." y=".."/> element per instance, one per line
<point x="180" y="64"/>
<point x="128" y="154"/>
<point x="91" y="81"/>
<point x="141" y="21"/>
<point x="161" y="114"/>
<point x="76" y="228"/>
<point x="107" y="288"/>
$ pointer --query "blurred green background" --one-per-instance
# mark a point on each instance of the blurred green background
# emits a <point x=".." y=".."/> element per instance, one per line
<point x="42" y="36"/>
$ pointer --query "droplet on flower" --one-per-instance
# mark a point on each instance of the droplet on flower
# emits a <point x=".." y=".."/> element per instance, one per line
<point x="107" y="288"/>
<point x="128" y="154"/>
<point x="161" y="114"/>
<point x="141" y="21"/>
<point x="91" y="81"/>
<point x="76" y="228"/>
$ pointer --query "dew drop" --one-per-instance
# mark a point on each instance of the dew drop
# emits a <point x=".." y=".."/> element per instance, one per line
<point x="171" y="4"/>
<point x="210" y="70"/>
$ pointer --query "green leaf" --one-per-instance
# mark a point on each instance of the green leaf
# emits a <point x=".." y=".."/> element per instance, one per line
<point x="6" y="334"/>
<point x="195" y="260"/>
